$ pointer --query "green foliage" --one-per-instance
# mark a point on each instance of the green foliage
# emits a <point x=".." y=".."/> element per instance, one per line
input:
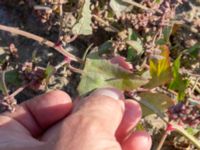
<point x="49" y="72"/>
<point x="160" y="69"/>
<point x="166" y="33"/>
<point x="166" y="36"/>
<point x="194" y="50"/>
<point x="83" y="26"/>
<point x="118" y="6"/>
<point x="100" y="73"/>
<point x="140" y="127"/>
<point x="192" y="131"/>
<point x="157" y="1"/>
<point x="178" y="83"/>
<point x="13" y="78"/>
<point x="105" y="47"/>
<point x="135" y="48"/>
<point x="9" y="78"/>
<point x="158" y="101"/>
<point x="185" y="133"/>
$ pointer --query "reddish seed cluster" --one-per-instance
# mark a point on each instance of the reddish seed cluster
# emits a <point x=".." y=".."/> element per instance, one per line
<point x="101" y="12"/>
<point x="138" y="21"/>
<point x="33" y="75"/>
<point x="119" y="45"/>
<point x="159" y="16"/>
<point x="185" y="114"/>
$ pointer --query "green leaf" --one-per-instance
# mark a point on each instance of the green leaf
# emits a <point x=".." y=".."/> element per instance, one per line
<point x="118" y="6"/>
<point x="83" y="27"/>
<point x="132" y="35"/>
<point x="166" y="36"/>
<point x="140" y="127"/>
<point x="105" y="47"/>
<point x="160" y="69"/>
<point x="99" y="73"/>
<point x="135" y="48"/>
<point x="160" y="42"/>
<point x="194" y="50"/>
<point x="166" y="33"/>
<point x="158" y="1"/>
<point x="13" y="78"/>
<point x="159" y="101"/>
<point x="49" y="72"/>
<point x="178" y="83"/>
<point x="192" y="131"/>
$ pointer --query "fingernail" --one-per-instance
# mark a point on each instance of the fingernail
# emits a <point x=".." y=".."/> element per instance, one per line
<point x="111" y="92"/>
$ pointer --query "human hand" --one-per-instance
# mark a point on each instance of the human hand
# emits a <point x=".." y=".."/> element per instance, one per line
<point x="101" y="121"/>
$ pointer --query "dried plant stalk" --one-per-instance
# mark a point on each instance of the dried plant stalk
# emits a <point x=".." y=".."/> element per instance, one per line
<point x="41" y="40"/>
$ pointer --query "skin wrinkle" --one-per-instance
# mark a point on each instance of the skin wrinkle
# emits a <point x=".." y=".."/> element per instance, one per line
<point x="90" y="125"/>
<point x="34" y="118"/>
<point x="107" y="109"/>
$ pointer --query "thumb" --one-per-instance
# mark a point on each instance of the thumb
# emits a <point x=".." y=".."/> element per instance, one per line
<point x="92" y="123"/>
<point x="105" y="106"/>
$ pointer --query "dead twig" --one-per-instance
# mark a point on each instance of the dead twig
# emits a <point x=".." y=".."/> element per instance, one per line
<point x="41" y="40"/>
<point x="20" y="89"/>
<point x="160" y="145"/>
<point x="195" y="85"/>
<point x="63" y="63"/>
<point x="137" y="5"/>
<point x="3" y="83"/>
<point x="61" y="16"/>
<point x="76" y="70"/>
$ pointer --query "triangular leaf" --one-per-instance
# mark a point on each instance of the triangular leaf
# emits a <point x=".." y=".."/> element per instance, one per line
<point x="83" y="27"/>
<point x="178" y="83"/>
<point x="159" y="101"/>
<point x="118" y="6"/>
<point x="160" y="68"/>
<point x="100" y="73"/>
<point x="167" y="31"/>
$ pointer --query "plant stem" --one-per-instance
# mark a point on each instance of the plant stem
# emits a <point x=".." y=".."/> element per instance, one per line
<point x="195" y="84"/>
<point x="76" y="70"/>
<point x="3" y="84"/>
<point x="137" y="5"/>
<point x="61" y="16"/>
<point x="64" y="62"/>
<point x="160" y="145"/>
<point x="86" y="52"/>
<point x="40" y="40"/>
<point x="19" y="90"/>
<point x="176" y="127"/>
<point x="187" y="135"/>
<point x="73" y="38"/>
